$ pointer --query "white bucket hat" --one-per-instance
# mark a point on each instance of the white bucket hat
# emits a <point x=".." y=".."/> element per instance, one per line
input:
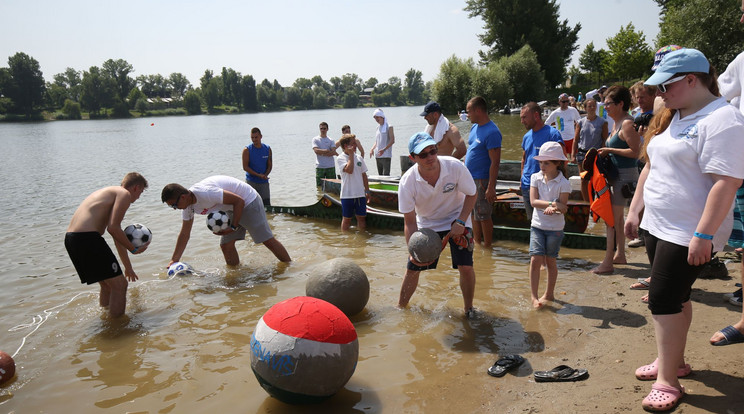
<point x="551" y="151"/>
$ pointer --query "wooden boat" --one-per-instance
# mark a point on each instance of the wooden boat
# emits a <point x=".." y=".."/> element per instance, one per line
<point x="508" y="210"/>
<point x="329" y="208"/>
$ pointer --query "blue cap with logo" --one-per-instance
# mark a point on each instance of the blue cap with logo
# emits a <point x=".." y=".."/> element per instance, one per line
<point x="419" y="141"/>
<point x="679" y="61"/>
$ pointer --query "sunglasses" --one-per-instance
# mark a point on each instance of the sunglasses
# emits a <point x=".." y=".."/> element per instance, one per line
<point x="423" y="155"/>
<point x="662" y="86"/>
<point x="564" y="101"/>
<point x="174" y="206"/>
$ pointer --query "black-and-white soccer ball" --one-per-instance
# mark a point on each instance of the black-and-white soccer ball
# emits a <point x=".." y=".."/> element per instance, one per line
<point x="218" y="221"/>
<point x="138" y="234"/>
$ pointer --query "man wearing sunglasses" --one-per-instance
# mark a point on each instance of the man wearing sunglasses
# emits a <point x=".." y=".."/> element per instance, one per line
<point x="223" y="193"/>
<point x="438" y="193"/>
<point x="564" y="119"/>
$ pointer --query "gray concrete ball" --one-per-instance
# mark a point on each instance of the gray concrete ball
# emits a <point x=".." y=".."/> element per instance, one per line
<point x="341" y="282"/>
<point x="425" y="245"/>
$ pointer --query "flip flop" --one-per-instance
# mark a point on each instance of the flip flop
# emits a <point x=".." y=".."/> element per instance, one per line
<point x="731" y="336"/>
<point x="504" y="364"/>
<point x="662" y="397"/>
<point x="561" y="373"/>
<point x="651" y="371"/>
<point x="643" y="285"/>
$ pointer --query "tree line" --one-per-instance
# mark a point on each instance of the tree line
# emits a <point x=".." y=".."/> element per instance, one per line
<point x="111" y="90"/>
<point x="528" y="49"/>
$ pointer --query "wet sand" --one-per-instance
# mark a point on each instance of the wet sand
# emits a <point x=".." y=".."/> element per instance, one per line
<point x="611" y="335"/>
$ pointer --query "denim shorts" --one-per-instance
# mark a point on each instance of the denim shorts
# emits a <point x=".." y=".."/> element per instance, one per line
<point x="545" y="242"/>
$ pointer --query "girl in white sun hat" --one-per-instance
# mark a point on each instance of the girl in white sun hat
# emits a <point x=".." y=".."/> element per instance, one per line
<point x="549" y="190"/>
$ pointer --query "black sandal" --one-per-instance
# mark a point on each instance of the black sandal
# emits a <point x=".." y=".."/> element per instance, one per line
<point x="504" y="364"/>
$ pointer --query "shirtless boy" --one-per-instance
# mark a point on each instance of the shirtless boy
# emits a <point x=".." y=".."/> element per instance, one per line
<point x="94" y="261"/>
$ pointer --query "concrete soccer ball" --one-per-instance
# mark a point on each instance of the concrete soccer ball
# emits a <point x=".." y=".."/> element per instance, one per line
<point x="180" y="269"/>
<point x="218" y="221"/>
<point x="341" y="282"/>
<point x="425" y="245"/>
<point x="138" y="234"/>
<point x="304" y="350"/>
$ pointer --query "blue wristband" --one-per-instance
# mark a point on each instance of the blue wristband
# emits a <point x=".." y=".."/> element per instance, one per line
<point x="460" y="222"/>
<point x="134" y="250"/>
<point x="703" y="236"/>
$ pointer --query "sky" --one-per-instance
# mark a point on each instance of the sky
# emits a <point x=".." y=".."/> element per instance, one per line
<point x="279" y="39"/>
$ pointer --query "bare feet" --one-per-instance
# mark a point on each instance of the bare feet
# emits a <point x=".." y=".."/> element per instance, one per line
<point x="644" y="298"/>
<point x="619" y="260"/>
<point x="603" y="270"/>
<point x="536" y="304"/>
<point x="547" y="298"/>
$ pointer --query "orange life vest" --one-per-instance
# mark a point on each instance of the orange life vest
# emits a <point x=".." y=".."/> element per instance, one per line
<point x="599" y="196"/>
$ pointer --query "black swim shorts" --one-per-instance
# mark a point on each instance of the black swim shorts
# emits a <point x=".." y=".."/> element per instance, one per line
<point x="93" y="259"/>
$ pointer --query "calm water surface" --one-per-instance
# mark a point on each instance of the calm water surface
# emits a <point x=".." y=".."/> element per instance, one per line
<point x="183" y="346"/>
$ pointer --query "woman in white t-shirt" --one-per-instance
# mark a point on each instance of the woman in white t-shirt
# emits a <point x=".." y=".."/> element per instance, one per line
<point x="687" y="188"/>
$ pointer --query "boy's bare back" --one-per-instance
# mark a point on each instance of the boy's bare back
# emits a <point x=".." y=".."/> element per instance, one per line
<point x="94" y="213"/>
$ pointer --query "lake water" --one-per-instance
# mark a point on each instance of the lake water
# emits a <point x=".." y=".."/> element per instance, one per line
<point x="184" y="344"/>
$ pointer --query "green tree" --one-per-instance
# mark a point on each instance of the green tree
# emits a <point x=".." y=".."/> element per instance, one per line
<point x="98" y="91"/>
<point x="371" y="83"/>
<point x="230" y="87"/>
<point x="382" y="98"/>
<point x="592" y="61"/>
<point x="709" y="26"/>
<point x="204" y="80"/>
<point x="140" y="105"/>
<point x="135" y="95"/>
<point x="55" y="95"/>
<point x="71" y="110"/>
<point x="192" y="103"/>
<point x="307" y="96"/>
<point x="153" y="86"/>
<point x="320" y="98"/>
<point x="248" y="92"/>
<point x="320" y="83"/>
<point x="525" y="76"/>
<point x="179" y="84"/>
<point x="351" y="99"/>
<point x="351" y="82"/>
<point x="293" y="96"/>
<point x="303" y="83"/>
<point x="396" y="91"/>
<point x="25" y="84"/>
<point x="452" y="86"/>
<point x="212" y="94"/>
<point x="511" y="24"/>
<point x="70" y="80"/>
<point x="413" y="88"/>
<point x="629" y="54"/>
<point x="119" y="70"/>
<point x="492" y="83"/>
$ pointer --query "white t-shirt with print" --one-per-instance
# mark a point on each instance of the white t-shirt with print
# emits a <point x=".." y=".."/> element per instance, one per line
<point x="549" y="191"/>
<point x="209" y="193"/>
<point x="436" y="206"/>
<point x="352" y="185"/>
<point x="564" y="121"/>
<point x="710" y="141"/>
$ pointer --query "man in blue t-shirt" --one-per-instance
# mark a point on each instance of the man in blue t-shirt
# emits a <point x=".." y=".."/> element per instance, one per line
<point x="257" y="166"/>
<point x="482" y="159"/>
<point x="537" y="134"/>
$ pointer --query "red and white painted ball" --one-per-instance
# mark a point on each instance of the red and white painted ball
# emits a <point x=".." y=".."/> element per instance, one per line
<point x="304" y="350"/>
<point x="7" y="367"/>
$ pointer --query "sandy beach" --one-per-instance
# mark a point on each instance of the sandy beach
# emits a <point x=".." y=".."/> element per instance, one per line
<point x="611" y="337"/>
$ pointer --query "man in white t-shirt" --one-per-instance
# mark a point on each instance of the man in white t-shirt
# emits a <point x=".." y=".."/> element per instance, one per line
<point x="228" y="194"/>
<point x="324" y="149"/>
<point x="564" y="119"/>
<point x="438" y="193"/>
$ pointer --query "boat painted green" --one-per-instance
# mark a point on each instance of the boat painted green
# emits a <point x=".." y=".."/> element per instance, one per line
<point x="508" y="211"/>
<point x="329" y="208"/>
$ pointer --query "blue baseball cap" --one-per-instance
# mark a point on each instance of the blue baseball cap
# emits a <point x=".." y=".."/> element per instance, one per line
<point x="419" y="141"/>
<point x="679" y="61"/>
<point x="431" y="107"/>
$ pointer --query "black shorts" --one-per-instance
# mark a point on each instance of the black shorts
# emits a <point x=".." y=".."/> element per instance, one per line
<point x="671" y="276"/>
<point x="460" y="256"/>
<point x="93" y="259"/>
